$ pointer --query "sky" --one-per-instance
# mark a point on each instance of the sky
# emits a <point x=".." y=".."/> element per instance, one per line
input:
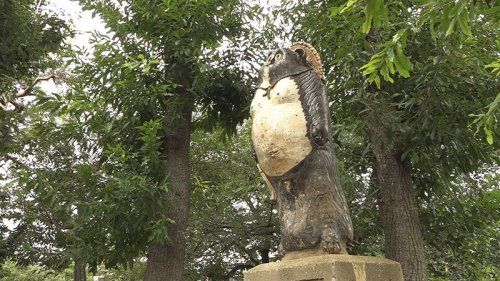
<point x="83" y="22"/>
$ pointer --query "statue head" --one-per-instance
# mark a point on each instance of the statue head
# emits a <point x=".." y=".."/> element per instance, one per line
<point x="285" y="62"/>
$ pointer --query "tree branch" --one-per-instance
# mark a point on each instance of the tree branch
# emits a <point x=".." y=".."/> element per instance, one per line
<point x="3" y="105"/>
<point x="18" y="106"/>
<point x="26" y="91"/>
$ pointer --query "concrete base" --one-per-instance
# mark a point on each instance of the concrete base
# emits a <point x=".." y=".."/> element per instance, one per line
<point x="328" y="268"/>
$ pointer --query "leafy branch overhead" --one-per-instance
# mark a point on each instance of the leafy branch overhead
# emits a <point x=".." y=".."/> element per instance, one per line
<point x="440" y="18"/>
<point x="390" y="59"/>
<point x="489" y="121"/>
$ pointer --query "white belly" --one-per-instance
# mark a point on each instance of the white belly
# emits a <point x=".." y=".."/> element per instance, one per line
<point x="279" y="128"/>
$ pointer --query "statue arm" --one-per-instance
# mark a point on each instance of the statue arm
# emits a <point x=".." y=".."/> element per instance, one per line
<point x="321" y="121"/>
<point x="313" y="92"/>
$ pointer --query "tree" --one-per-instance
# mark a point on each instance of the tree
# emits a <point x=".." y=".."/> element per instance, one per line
<point x="111" y="152"/>
<point x="416" y="121"/>
<point x="172" y="46"/>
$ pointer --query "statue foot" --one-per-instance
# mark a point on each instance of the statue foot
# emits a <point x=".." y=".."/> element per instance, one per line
<point x="330" y="241"/>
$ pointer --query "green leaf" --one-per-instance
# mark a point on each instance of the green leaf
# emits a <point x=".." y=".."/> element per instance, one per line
<point x="463" y="22"/>
<point x="372" y="66"/>
<point x="366" y="25"/>
<point x="377" y="14"/>
<point x="371" y="78"/>
<point x="402" y="58"/>
<point x="414" y="157"/>
<point x="335" y="11"/>
<point x="373" y="63"/>
<point x="451" y="27"/>
<point x="372" y="13"/>
<point x="489" y="135"/>
<point x="495" y="67"/>
<point x="404" y="37"/>
<point x="390" y="53"/>
<point x="397" y="36"/>
<point x="348" y="5"/>
<point x="432" y="29"/>
<point x="368" y="71"/>
<point x="400" y="68"/>
<point x="390" y="65"/>
<point x="377" y="81"/>
<point x="385" y="72"/>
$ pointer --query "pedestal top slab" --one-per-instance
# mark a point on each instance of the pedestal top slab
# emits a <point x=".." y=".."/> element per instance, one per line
<point x="328" y="268"/>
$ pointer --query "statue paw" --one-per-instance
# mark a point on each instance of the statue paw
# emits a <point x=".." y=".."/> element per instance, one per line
<point x="330" y="242"/>
<point x="319" y="135"/>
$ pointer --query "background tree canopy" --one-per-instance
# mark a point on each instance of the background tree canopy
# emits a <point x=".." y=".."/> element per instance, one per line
<point x="139" y="166"/>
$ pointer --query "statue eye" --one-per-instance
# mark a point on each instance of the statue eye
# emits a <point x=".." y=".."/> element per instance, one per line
<point x="276" y="58"/>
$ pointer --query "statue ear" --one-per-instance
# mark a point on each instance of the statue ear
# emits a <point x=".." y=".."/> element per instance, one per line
<point x="308" y="56"/>
<point x="302" y="55"/>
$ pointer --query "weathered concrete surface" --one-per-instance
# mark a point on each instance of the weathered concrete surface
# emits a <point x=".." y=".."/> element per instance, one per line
<point x="328" y="268"/>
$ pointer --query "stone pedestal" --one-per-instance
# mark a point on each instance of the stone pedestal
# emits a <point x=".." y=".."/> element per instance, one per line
<point x="328" y="268"/>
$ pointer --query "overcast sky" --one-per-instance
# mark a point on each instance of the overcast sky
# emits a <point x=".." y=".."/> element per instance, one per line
<point x="83" y="22"/>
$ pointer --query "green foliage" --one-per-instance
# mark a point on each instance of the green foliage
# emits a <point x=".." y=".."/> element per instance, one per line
<point x="29" y="34"/>
<point x="85" y="167"/>
<point x="233" y="226"/>
<point x="439" y="18"/>
<point x="389" y="60"/>
<point x="134" y="273"/>
<point x="489" y="121"/>
<point x="462" y="228"/>
<point x="12" y="272"/>
<point x="495" y="67"/>
<point x="85" y="201"/>
<point x="223" y="101"/>
<point x="428" y="110"/>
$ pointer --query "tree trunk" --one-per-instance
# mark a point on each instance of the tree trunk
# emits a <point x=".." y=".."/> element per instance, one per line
<point x="79" y="270"/>
<point x="166" y="262"/>
<point x="397" y="205"/>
